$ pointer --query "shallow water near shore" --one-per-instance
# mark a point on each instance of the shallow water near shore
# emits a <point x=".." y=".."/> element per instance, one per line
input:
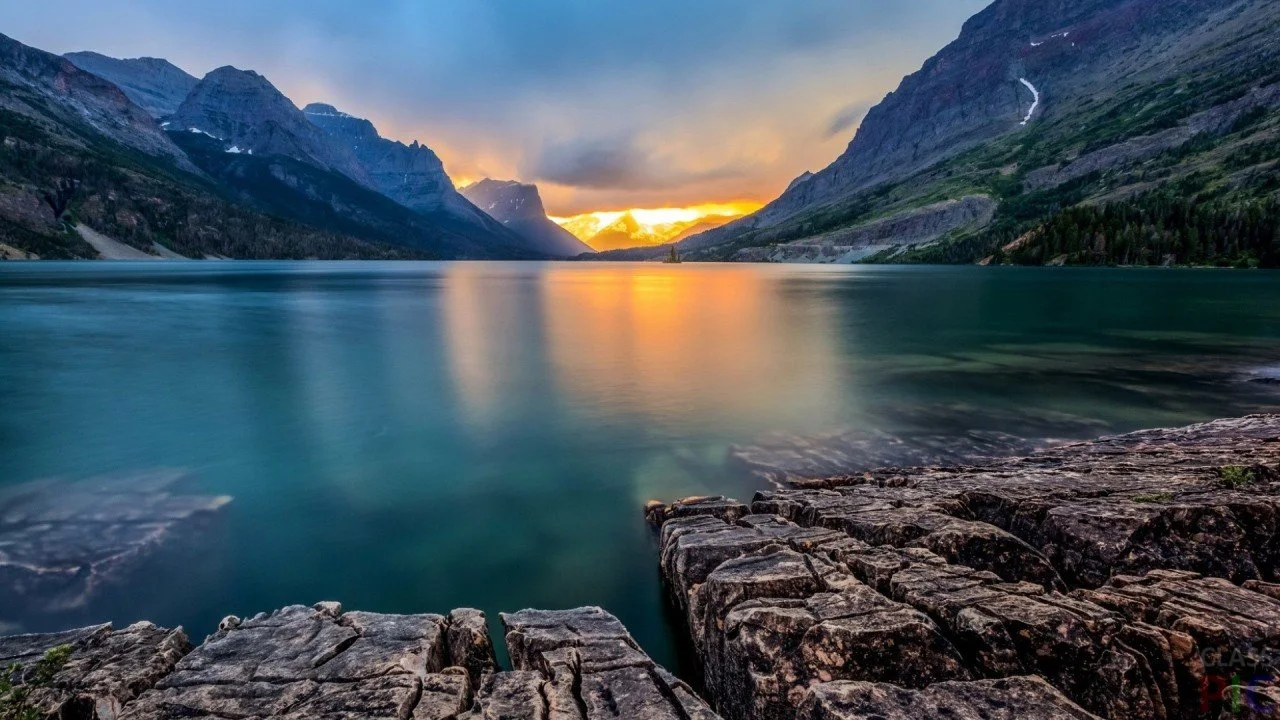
<point x="414" y="437"/>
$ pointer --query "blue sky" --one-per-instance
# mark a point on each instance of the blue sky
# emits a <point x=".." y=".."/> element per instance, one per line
<point x="605" y="104"/>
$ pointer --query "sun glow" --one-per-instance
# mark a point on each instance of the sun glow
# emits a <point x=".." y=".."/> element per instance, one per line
<point x="656" y="225"/>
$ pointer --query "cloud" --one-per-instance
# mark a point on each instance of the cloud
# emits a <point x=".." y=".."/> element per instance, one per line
<point x="847" y="119"/>
<point x="618" y="164"/>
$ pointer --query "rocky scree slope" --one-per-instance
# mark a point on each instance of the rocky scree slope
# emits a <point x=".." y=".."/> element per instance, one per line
<point x="155" y="85"/>
<point x="1132" y="577"/>
<point x="519" y="207"/>
<point x="1031" y="87"/>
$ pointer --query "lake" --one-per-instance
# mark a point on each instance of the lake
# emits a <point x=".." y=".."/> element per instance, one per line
<point x="416" y="437"/>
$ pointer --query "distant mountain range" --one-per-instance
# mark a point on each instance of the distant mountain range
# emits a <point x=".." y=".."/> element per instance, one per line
<point x="1094" y="131"/>
<point x="519" y="207"/>
<point x="140" y="154"/>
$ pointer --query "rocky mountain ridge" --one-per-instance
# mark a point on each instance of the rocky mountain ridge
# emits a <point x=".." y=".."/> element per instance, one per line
<point x="154" y="84"/>
<point x="412" y="175"/>
<point x="78" y="96"/>
<point x="244" y="111"/>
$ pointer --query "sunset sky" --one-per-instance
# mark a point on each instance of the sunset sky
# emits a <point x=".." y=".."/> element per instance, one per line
<point x="606" y="105"/>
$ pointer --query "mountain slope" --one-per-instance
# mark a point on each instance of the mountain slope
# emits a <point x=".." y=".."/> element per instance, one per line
<point x="286" y="187"/>
<point x="157" y="86"/>
<point x="624" y="233"/>
<point x="78" y="159"/>
<point x="241" y="130"/>
<point x="412" y="175"/>
<point x="44" y="85"/>
<point x="1034" y="97"/>
<point x="244" y="111"/>
<point x="519" y="207"/>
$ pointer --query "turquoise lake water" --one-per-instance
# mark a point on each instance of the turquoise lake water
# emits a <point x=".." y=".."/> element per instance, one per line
<point x="422" y="436"/>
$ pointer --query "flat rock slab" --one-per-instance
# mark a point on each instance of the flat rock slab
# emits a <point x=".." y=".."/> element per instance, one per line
<point x="60" y="543"/>
<point x="318" y="662"/>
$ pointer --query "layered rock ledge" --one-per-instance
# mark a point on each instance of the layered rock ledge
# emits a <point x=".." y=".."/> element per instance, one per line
<point x="324" y="662"/>
<point x="1130" y="577"/>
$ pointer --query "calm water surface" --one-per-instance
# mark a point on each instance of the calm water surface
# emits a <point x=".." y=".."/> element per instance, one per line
<point x="417" y="437"/>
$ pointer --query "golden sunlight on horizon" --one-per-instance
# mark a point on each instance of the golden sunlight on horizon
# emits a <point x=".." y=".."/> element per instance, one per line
<point x="612" y="229"/>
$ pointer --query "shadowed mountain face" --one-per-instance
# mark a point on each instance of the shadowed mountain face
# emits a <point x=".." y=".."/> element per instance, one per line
<point x="157" y="86"/>
<point x="1031" y="84"/>
<point x="519" y="207"/>
<point x="412" y="175"/>
<point x="245" y="112"/>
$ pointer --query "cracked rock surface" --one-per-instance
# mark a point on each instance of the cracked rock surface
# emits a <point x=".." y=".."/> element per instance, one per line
<point x="1130" y="577"/>
<point x="321" y="662"/>
<point x="107" y="669"/>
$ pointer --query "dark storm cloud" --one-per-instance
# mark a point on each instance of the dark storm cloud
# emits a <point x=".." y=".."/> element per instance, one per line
<point x="575" y="91"/>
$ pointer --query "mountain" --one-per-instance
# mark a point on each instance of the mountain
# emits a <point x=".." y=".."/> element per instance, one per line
<point x="241" y="173"/>
<point x="519" y="207"/>
<point x="81" y="162"/>
<point x="245" y="133"/>
<point x="42" y="85"/>
<point x="412" y="175"/>
<point x="247" y="114"/>
<point x="157" y="86"/>
<point x="1037" y="108"/>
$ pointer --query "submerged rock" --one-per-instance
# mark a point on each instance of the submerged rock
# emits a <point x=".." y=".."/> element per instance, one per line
<point x="62" y="543"/>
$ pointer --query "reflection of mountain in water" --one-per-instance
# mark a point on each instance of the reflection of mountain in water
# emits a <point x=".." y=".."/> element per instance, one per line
<point x="62" y="543"/>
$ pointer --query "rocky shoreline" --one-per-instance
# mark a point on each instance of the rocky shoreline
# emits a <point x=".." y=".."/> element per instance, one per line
<point x="304" y="663"/>
<point x="1130" y="577"/>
